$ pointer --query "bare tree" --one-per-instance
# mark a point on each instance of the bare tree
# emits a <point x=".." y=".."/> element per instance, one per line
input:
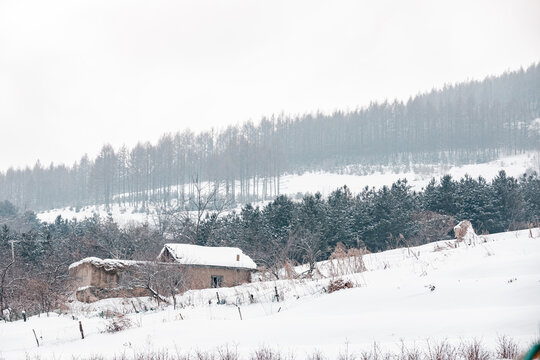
<point x="183" y="221"/>
<point x="306" y="244"/>
<point x="160" y="280"/>
<point x="431" y="226"/>
<point x="273" y="254"/>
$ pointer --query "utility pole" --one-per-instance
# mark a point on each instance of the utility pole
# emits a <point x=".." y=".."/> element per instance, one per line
<point x="12" y="250"/>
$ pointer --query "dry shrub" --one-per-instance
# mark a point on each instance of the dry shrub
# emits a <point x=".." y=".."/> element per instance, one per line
<point x="227" y="353"/>
<point x="204" y="355"/>
<point x="437" y="247"/>
<point x="356" y="259"/>
<point x="474" y="350"/>
<point x="111" y="314"/>
<point x="117" y="324"/>
<point x="316" y="355"/>
<point x="440" y="351"/>
<point x="290" y="273"/>
<point x="152" y="355"/>
<point x="343" y="261"/>
<point x="406" y="353"/>
<point x="339" y="284"/>
<point x="346" y="355"/>
<point x="377" y="354"/>
<point x="265" y="353"/>
<point x="367" y="355"/>
<point x="506" y="348"/>
<point x="339" y="252"/>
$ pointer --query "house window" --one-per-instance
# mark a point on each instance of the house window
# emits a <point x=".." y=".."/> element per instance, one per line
<point x="216" y="281"/>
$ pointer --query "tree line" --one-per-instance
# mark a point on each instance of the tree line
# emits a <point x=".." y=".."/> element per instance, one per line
<point x="284" y="230"/>
<point x="463" y="123"/>
<point x="310" y="229"/>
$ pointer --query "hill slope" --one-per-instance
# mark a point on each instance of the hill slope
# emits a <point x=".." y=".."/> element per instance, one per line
<point x="480" y="292"/>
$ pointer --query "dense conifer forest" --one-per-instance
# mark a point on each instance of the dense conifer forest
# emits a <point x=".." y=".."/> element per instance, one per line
<point x="464" y="123"/>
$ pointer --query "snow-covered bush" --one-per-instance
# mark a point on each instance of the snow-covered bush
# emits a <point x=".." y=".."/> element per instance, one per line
<point x="117" y="324"/>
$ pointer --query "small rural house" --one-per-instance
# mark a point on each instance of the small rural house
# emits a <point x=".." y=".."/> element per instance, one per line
<point x="178" y="266"/>
<point x="210" y="266"/>
<point x="93" y="279"/>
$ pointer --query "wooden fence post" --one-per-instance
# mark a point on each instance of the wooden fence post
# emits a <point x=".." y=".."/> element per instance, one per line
<point x="35" y="336"/>
<point x="239" y="312"/>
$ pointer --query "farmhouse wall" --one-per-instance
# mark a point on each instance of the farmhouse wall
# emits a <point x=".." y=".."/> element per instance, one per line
<point x="200" y="277"/>
<point x="87" y="274"/>
<point x="92" y="283"/>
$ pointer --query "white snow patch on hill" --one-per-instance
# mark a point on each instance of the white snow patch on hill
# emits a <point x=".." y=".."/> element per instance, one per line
<point x="418" y="177"/>
<point x="480" y="292"/>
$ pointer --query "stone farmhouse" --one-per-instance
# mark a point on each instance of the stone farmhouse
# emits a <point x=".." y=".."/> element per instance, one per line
<point x="178" y="267"/>
<point x="210" y="267"/>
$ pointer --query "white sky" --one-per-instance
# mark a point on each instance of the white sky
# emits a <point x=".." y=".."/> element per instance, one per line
<point x="75" y="74"/>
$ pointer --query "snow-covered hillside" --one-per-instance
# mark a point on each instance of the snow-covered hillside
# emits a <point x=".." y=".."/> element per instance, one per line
<point x="418" y="177"/>
<point x="431" y="292"/>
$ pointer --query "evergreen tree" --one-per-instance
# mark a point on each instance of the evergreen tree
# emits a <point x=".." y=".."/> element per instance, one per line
<point x="508" y="202"/>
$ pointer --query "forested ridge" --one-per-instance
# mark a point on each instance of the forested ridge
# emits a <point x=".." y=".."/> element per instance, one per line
<point x="284" y="230"/>
<point x="463" y="123"/>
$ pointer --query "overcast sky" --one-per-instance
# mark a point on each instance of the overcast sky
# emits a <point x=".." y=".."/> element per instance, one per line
<point x="75" y="74"/>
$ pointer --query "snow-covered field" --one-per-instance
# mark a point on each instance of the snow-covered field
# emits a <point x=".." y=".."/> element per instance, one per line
<point x="418" y="177"/>
<point x="480" y="292"/>
<point x="324" y="182"/>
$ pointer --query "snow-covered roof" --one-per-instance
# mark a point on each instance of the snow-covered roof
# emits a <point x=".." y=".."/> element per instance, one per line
<point x="107" y="264"/>
<point x="212" y="256"/>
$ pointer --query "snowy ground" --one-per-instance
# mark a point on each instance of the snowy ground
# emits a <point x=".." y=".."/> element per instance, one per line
<point x="480" y="292"/>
